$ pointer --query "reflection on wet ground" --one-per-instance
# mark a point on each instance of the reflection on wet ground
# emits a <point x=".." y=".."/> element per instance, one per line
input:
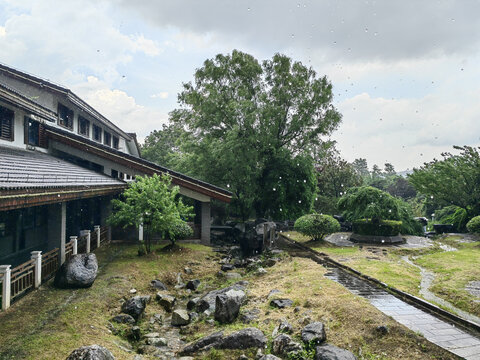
<point x="435" y="330"/>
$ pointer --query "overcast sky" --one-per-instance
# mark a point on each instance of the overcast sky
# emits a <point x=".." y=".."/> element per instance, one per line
<point x="406" y="74"/>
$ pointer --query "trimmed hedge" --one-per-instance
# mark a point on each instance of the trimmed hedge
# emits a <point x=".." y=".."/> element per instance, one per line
<point x="380" y="228"/>
<point x="316" y="226"/>
<point x="473" y="225"/>
<point x="181" y="230"/>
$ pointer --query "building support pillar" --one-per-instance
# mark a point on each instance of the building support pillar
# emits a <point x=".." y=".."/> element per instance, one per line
<point x="63" y="231"/>
<point x="205" y="223"/>
<point x="37" y="256"/>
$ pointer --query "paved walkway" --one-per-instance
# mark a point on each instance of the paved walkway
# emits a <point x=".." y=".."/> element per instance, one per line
<point x="435" y="330"/>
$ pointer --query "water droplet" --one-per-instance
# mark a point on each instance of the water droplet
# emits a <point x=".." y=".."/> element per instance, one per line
<point x="366" y="29"/>
<point x="248" y="9"/>
<point x="316" y="198"/>
<point x="304" y="181"/>
<point x="293" y="36"/>
<point x="228" y="185"/>
<point x="389" y="210"/>
<point x="431" y="196"/>
<point x="274" y="189"/>
<point x="299" y="201"/>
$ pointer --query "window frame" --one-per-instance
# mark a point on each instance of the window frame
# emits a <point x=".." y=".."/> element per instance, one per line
<point x="107" y="138"/>
<point x="95" y="127"/>
<point x="69" y="118"/>
<point x="85" y="120"/>
<point x="3" y="112"/>
<point x="115" y="142"/>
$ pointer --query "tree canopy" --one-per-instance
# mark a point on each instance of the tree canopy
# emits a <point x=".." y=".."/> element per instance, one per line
<point x="252" y="127"/>
<point x="151" y="201"/>
<point x="455" y="180"/>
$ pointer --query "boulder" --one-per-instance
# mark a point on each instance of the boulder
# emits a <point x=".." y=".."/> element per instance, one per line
<point x="249" y="316"/>
<point x="92" y="352"/>
<point x="331" y="352"/>
<point x="243" y="339"/>
<point x="123" y="319"/>
<point x="227" y="267"/>
<point x="260" y="271"/>
<point x="207" y="302"/>
<point x="281" y="303"/>
<point x="180" y="318"/>
<point x="192" y="303"/>
<point x="227" y="305"/>
<point x="80" y="271"/>
<point x="188" y="271"/>
<point x="204" y="343"/>
<point x="283" y="344"/>
<point x="157" y="284"/>
<point x="166" y="301"/>
<point x="135" y="306"/>
<point x="314" y="333"/>
<point x="193" y="284"/>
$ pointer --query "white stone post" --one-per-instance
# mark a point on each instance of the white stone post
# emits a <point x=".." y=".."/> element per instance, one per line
<point x="205" y="220"/>
<point x="140" y="232"/>
<point x="97" y="232"/>
<point x="37" y="256"/>
<point x="75" y="244"/>
<point x="63" y="232"/>
<point x="5" y="270"/>
<point x="87" y="233"/>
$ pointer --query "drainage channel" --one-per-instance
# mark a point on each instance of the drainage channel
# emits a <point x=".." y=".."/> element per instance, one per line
<point x="433" y="328"/>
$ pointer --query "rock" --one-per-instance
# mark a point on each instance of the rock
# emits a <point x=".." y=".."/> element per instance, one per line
<point x="243" y="357"/>
<point x="92" y="352"/>
<point x="227" y="305"/>
<point x="281" y="303"/>
<point x="157" y="284"/>
<point x="283" y="327"/>
<point x="382" y="329"/>
<point x="202" y="344"/>
<point x="193" y="316"/>
<point x="207" y="302"/>
<point x="156" y="341"/>
<point x="227" y="267"/>
<point x="192" y="303"/>
<point x="273" y="292"/>
<point x="249" y="316"/>
<point x="149" y="350"/>
<point x="243" y="339"/>
<point x="180" y="318"/>
<point x="188" y="271"/>
<point x="123" y="319"/>
<point x="193" y="284"/>
<point x="297" y="309"/>
<point x="232" y="275"/>
<point x="270" y="262"/>
<point x="80" y="271"/>
<point x="283" y="344"/>
<point x="260" y="271"/>
<point x="270" y="357"/>
<point x="133" y="291"/>
<point x="166" y="301"/>
<point x="331" y="352"/>
<point x="314" y="333"/>
<point x="135" y="306"/>
<point x="135" y="333"/>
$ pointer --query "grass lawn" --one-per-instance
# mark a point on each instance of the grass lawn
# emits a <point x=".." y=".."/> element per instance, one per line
<point x="50" y="323"/>
<point x="452" y="269"/>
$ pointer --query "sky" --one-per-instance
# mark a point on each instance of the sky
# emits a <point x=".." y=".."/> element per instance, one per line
<point x="405" y="73"/>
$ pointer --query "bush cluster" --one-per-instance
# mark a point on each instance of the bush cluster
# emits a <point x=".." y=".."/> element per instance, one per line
<point x="316" y="225"/>
<point x="377" y="228"/>
<point x="473" y="225"/>
<point x="454" y="215"/>
<point x="180" y="230"/>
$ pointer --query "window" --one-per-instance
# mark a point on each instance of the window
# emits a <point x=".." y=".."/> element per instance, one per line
<point x="65" y="116"/>
<point x="107" y="138"/>
<point x="32" y="132"/>
<point x="83" y="126"/>
<point x="6" y="123"/>
<point x="114" y="174"/>
<point x="97" y="133"/>
<point x="115" y="142"/>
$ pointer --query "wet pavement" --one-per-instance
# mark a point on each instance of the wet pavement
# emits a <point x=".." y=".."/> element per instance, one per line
<point x="432" y="328"/>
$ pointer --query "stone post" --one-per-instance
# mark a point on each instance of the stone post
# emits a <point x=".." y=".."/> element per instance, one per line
<point x="140" y="232"/>
<point x="96" y="228"/>
<point x="37" y="256"/>
<point x="87" y="233"/>
<point x="205" y="220"/>
<point x="5" y="270"/>
<point x="75" y="244"/>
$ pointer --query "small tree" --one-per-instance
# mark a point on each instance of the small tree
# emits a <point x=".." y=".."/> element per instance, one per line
<point x="151" y="201"/>
<point x="316" y="225"/>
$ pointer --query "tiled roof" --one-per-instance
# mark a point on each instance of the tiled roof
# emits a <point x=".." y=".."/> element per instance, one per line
<point x="21" y="169"/>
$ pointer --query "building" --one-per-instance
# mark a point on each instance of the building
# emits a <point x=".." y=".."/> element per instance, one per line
<point x="61" y="162"/>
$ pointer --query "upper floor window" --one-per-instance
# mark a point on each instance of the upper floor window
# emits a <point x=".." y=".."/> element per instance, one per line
<point x="97" y="133"/>
<point x="32" y="132"/>
<point x="83" y="126"/>
<point x="115" y="142"/>
<point x="6" y="123"/>
<point x="107" y="138"/>
<point x="65" y="116"/>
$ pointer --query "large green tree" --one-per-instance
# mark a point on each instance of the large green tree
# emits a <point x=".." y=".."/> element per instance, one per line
<point x="252" y="128"/>
<point x="455" y="180"/>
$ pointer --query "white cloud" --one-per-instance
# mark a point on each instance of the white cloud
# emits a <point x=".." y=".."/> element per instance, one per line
<point x="147" y="46"/>
<point x="160" y="95"/>
<point x="3" y="32"/>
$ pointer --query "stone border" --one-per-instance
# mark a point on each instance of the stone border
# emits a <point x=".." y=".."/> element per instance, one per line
<point x="376" y="240"/>
<point x="323" y="258"/>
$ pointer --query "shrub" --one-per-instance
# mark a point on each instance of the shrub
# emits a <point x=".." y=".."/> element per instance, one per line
<point x="180" y="230"/>
<point x="454" y="215"/>
<point x="316" y="226"/>
<point x="377" y="228"/>
<point x="473" y="225"/>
